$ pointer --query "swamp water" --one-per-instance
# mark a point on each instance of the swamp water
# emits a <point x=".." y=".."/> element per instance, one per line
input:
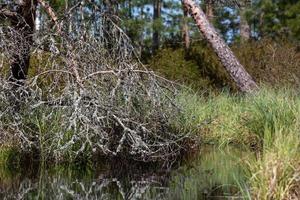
<point x="213" y="174"/>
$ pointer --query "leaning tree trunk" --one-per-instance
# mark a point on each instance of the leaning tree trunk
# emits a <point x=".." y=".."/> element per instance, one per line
<point x="24" y="25"/>
<point x="237" y="72"/>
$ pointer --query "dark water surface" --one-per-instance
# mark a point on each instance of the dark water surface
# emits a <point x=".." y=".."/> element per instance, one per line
<point x="214" y="174"/>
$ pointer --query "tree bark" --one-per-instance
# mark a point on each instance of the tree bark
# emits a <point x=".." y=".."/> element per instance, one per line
<point x="130" y="9"/>
<point x="245" y="30"/>
<point x="185" y="30"/>
<point x="237" y="72"/>
<point x="24" y="25"/>
<point x="209" y="9"/>
<point x="156" y="16"/>
<point x="111" y="6"/>
<point x="51" y="13"/>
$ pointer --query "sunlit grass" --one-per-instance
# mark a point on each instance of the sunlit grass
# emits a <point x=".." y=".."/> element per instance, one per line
<point x="266" y="122"/>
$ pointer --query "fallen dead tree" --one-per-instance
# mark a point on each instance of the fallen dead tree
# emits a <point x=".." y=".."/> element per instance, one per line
<point x="87" y="96"/>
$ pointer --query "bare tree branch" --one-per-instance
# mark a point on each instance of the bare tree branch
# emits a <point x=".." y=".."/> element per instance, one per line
<point x="54" y="18"/>
<point x="5" y="13"/>
<point x="93" y="97"/>
<point x="51" y="13"/>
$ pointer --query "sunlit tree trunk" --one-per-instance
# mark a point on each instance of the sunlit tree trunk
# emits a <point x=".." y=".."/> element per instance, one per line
<point x="237" y="72"/>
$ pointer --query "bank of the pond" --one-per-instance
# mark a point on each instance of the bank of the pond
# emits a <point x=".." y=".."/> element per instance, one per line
<point x="211" y="174"/>
<point x="267" y="122"/>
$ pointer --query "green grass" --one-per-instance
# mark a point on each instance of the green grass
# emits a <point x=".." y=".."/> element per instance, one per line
<point x="267" y="122"/>
<point x="9" y="155"/>
<point x="10" y="162"/>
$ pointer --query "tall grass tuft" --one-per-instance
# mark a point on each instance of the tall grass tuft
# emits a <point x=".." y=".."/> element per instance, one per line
<point x="266" y="122"/>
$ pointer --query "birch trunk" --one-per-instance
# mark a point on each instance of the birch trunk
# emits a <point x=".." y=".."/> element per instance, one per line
<point x="237" y="72"/>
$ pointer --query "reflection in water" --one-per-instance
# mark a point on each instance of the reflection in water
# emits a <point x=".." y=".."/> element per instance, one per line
<point x="213" y="175"/>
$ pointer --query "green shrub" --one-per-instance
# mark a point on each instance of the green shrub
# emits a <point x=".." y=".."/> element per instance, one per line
<point x="9" y="156"/>
<point x="272" y="63"/>
<point x="175" y="65"/>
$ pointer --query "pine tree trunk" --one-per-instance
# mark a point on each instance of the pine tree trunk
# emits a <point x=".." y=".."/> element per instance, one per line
<point x="237" y="72"/>
<point x="185" y="30"/>
<point x="24" y="26"/>
<point x="156" y="16"/>
<point x="111" y="10"/>
<point x="245" y="30"/>
<point x="209" y="10"/>
<point x="130" y="9"/>
<point x="82" y="21"/>
<point x="68" y="21"/>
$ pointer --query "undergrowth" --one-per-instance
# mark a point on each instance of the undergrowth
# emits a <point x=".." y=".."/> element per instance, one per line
<point x="273" y="63"/>
<point x="266" y="122"/>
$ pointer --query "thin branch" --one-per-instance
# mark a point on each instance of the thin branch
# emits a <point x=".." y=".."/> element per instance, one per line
<point x="5" y="13"/>
<point x="49" y="10"/>
<point x="54" y="18"/>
